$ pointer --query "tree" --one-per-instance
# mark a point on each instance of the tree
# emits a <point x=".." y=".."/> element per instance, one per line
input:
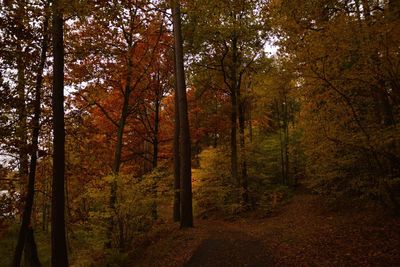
<point x="230" y="45"/>
<point x="177" y="176"/>
<point x="120" y="82"/>
<point x="186" y="214"/>
<point x="59" y="254"/>
<point x="26" y="234"/>
<point x="347" y="91"/>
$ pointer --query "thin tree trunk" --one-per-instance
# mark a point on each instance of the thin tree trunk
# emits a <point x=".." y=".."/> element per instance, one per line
<point x="233" y="144"/>
<point x="118" y="154"/>
<point x="286" y="138"/>
<point x="243" y="163"/>
<point x="155" y="152"/>
<point x="156" y="130"/>
<point x="26" y="217"/>
<point x="177" y="179"/>
<point x="281" y="143"/>
<point x="184" y="140"/>
<point x="249" y="111"/>
<point x="234" y="105"/>
<point x="59" y="254"/>
<point x="122" y="121"/>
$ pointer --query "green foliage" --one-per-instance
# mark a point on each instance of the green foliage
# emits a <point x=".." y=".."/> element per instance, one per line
<point x="134" y="205"/>
<point x="8" y="238"/>
<point x="265" y="177"/>
<point x="8" y="241"/>
<point x="214" y="190"/>
<point x="216" y="194"/>
<point x="264" y="158"/>
<point x="134" y="214"/>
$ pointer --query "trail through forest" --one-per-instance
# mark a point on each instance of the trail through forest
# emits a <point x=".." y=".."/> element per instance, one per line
<point x="301" y="233"/>
<point x="228" y="246"/>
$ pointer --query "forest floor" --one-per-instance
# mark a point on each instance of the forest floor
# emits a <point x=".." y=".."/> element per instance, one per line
<point x="300" y="233"/>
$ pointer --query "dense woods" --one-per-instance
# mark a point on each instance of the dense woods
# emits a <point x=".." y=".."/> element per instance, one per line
<point x="124" y="122"/>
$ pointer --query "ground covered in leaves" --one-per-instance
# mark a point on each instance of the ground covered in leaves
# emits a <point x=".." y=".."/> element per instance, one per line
<point x="301" y="233"/>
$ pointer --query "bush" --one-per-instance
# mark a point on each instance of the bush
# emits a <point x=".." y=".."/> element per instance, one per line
<point x="135" y="208"/>
<point x="217" y="194"/>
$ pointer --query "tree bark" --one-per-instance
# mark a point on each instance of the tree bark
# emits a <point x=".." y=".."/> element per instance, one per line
<point x="243" y="163"/>
<point x="234" y="106"/>
<point x="26" y="217"/>
<point x="31" y="254"/>
<point x="118" y="154"/>
<point x="184" y="140"/>
<point x="59" y="254"/>
<point x="177" y="179"/>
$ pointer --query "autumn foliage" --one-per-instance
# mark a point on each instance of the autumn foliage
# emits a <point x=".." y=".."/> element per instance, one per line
<point x="274" y="96"/>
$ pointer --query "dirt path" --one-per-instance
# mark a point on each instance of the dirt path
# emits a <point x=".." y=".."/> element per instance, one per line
<point x="301" y="233"/>
<point x="226" y="246"/>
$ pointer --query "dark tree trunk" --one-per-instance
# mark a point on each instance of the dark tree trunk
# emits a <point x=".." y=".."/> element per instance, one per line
<point x="281" y="140"/>
<point x="117" y="156"/>
<point x="250" y="122"/>
<point x="59" y="254"/>
<point x="243" y="163"/>
<point x="234" y="105"/>
<point x="31" y="255"/>
<point x="26" y="217"/>
<point x="177" y="179"/>
<point x="234" y="157"/>
<point x="184" y="140"/>
<point x="122" y="120"/>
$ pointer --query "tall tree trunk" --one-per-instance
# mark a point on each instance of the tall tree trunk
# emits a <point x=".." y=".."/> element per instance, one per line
<point x="118" y="154"/>
<point x="26" y="217"/>
<point x="177" y="179"/>
<point x="233" y="144"/>
<point x="234" y="106"/>
<point x="155" y="154"/>
<point x="243" y="163"/>
<point x="184" y="140"/>
<point x="281" y="142"/>
<point x="249" y="112"/>
<point x="31" y="254"/>
<point x="122" y="120"/>
<point x="59" y="254"/>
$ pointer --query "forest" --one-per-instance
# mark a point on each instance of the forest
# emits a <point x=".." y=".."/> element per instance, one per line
<point x="199" y="133"/>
